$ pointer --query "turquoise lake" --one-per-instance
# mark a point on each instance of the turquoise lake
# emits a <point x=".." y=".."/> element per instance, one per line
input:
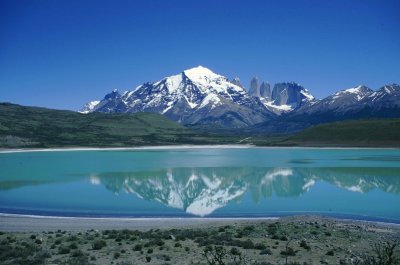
<point x="203" y="182"/>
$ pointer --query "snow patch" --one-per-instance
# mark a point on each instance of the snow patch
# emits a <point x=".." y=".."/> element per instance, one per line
<point x="89" y="107"/>
<point x="173" y="82"/>
<point x="210" y="99"/>
<point x="270" y="104"/>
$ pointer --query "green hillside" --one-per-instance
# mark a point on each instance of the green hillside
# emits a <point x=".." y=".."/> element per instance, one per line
<point x="377" y="132"/>
<point x="22" y="126"/>
<point x="33" y="127"/>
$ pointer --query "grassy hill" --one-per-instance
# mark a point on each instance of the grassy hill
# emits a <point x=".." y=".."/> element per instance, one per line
<point x="366" y="133"/>
<point x="22" y="126"/>
<point x="33" y="127"/>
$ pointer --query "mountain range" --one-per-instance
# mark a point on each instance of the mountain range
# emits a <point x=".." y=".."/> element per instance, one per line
<point x="200" y="97"/>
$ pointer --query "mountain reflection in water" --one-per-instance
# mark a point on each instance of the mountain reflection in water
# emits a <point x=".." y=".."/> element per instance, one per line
<point x="201" y="191"/>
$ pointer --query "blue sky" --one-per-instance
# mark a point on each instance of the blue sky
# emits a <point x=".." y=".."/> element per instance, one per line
<point x="60" y="54"/>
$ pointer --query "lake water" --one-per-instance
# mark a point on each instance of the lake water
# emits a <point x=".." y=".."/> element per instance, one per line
<point x="203" y="182"/>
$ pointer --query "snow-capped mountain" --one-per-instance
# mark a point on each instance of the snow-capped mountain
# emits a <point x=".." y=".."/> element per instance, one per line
<point x="195" y="96"/>
<point x="341" y="101"/>
<point x="387" y="96"/>
<point x="89" y="107"/>
<point x="358" y="102"/>
<point x="198" y="96"/>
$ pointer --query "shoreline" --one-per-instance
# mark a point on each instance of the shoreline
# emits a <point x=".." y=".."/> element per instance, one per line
<point x="37" y="223"/>
<point x="178" y="147"/>
<point x="21" y="223"/>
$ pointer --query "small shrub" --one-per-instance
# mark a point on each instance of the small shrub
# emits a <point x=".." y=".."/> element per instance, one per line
<point x="73" y="246"/>
<point x="78" y="253"/>
<point x="260" y="246"/>
<point x="266" y="251"/>
<point x="275" y="237"/>
<point x="235" y="252"/>
<point x="289" y="252"/>
<point x="304" y="245"/>
<point x="73" y="238"/>
<point x="148" y="259"/>
<point x="159" y="242"/>
<point x="137" y="247"/>
<point x="178" y="245"/>
<point x="248" y="244"/>
<point x="98" y="244"/>
<point x="117" y="255"/>
<point x="149" y="251"/>
<point x="330" y="253"/>
<point x="63" y="250"/>
<point x="214" y="255"/>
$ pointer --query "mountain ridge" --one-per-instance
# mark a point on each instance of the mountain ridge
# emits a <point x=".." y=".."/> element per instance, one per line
<point x="198" y="97"/>
<point x="194" y="96"/>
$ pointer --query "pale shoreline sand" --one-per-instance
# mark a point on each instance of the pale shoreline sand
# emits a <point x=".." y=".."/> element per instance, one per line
<point x="178" y="147"/>
<point x="34" y="223"/>
<point x="155" y="147"/>
<point x="26" y="223"/>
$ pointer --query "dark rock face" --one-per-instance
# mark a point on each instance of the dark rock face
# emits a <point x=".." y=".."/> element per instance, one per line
<point x="236" y="81"/>
<point x="254" y="87"/>
<point x="291" y="94"/>
<point x="265" y="90"/>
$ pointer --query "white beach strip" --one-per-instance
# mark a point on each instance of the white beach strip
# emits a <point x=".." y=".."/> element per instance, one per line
<point x="157" y="147"/>
<point x="36" y="223"/>
<point x="183" y="147"/>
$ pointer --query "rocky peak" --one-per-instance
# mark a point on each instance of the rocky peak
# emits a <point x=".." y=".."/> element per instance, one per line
<point x="236" y="81"/>
<point x="291" y="94"/>
<point x="254" y="87"/>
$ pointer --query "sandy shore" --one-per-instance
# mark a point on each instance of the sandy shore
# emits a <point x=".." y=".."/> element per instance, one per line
<point x="177" y="147"/>
<point x="156" y="147"/>
<point x="29" y="223"/>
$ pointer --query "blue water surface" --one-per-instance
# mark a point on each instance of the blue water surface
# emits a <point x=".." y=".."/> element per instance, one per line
<point x="203" y="182"/>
